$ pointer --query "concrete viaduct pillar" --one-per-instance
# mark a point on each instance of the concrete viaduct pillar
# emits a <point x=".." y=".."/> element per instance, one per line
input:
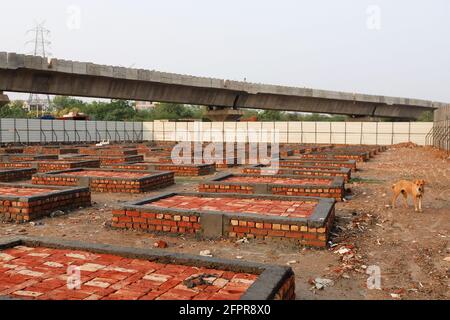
<point x="3" y="99"/>
<point x="222" y="114"/>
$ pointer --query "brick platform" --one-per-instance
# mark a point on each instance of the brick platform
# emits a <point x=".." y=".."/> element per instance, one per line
<point x="59" y="151"/>
<point x="23" y="203"/>
<point x="295" y="162"/>
<point x="36" y="268"/>
<point x="52" y="150"/>
<point x="106" y="161"/>
<point x="180" y="170"/>
<point x="304" y="220"/>
<point x="220" y="164"/>
<point x="290" y="185"/>
<point x="11" y="150"/>
<point x="301" y="148"/>
<point x="338" y="155"/>
<point x="153" y="151"/>
<point x="108" y="151"/>
<point x="18" y="165"/>
<point x="372" y="150"/>
<point x="107" y="180"/>
<point x="346" y="173"/>
<point x="65" y="164"/>
<point x="10" y="175"/>
<point x="30" y="157"/>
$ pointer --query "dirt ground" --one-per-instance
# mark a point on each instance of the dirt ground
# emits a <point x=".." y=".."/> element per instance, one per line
<point x="408" y="247"/>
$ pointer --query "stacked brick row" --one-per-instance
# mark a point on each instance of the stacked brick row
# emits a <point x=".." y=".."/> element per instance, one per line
<point x="66" y="165"/>
<point x="302" y="234"/>
<point x="303" y="171"/>
<point x="156" y="222"/>
<point x="336" y="193"/>
<point x="18" y="165"/>
<point x="111" y="160"/>
<point x="16" y="174"/>
<point x="218" y="188"/>
<point x="287" y="163"/>
<point x="304" y="191"/>
<point x="108" y="152"/>
<point x="194" y="170"/>
<point x="223" y="164"/>
<point x="179" y="170"/>
<point x="360" y="157"/>
<point x="109" y="185"/>
<point x="59" y="151"/>
<point x="138" y="186"/>
<point x="287" y="290"/>
<point x="12" y="150"/>
<point x="31" y="157"/>
<point x="27" y="209"/>
<point x="32" y="150"/>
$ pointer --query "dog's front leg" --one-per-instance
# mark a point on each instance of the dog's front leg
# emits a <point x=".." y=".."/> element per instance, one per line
<point x="416" y="203"/>
<point x="420" y="204"/>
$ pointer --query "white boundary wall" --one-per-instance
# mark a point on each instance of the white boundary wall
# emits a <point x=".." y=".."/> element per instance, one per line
<point x="371" y="133"/>
<point x="69" y="131"/>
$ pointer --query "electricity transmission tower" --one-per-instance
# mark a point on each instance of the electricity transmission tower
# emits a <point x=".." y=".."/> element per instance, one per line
<point x="41" y="43"/>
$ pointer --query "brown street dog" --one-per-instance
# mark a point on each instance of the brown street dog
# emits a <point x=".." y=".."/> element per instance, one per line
<point x="416" y="189"/>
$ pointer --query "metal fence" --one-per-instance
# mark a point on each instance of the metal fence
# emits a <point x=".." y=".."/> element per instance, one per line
<point x="29" y="131"/>
<point x="439" y="136"/>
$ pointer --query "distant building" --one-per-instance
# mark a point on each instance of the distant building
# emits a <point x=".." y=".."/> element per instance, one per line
<point x="74" y="116"/>
<point x="38" y="105"/>
<point x="145" y="105"/>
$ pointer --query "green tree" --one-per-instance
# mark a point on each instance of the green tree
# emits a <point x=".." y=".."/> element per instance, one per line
<point x="270" y="115"/>
<point x="427" y="116"/>
<point x="13" y="110"/>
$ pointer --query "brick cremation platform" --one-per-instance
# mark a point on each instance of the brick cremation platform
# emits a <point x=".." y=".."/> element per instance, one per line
<point x="338" y="155"/>
<point x="29" y="157"/>
<point x="18" y="165"/>
<point x="110" y="160"/>
<point x="10" y="175"/>
<point x="53" y="150"/>
<point x="220" y="164"/>
<point x="305" y="220"/>
<point x="65" y="164"/>
<point x="11" y="150"/>
<point x="37" y="268"/>
<point x="108" y="151"/>
<point x="23" y="203"/>
<point x="346" y="173"/>
<point x="295" y="162"/>
<point x="180" y="170"/>
<point x="290" y="185"/>
<point x="107" y="180"/>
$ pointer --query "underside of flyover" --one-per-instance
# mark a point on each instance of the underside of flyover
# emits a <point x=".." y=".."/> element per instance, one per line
<point x="224" y="98"/>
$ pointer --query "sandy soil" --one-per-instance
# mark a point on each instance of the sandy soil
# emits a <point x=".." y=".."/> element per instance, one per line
<point x="408" y="247"/>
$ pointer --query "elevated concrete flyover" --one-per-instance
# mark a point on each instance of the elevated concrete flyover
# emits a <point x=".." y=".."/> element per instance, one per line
<point x="22" y="73"/>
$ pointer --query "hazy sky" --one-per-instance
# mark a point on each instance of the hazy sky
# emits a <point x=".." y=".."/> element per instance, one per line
<point x="396" y="48"/>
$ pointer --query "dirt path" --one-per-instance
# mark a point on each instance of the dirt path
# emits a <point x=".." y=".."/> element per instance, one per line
<point x="408" y="247"/>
